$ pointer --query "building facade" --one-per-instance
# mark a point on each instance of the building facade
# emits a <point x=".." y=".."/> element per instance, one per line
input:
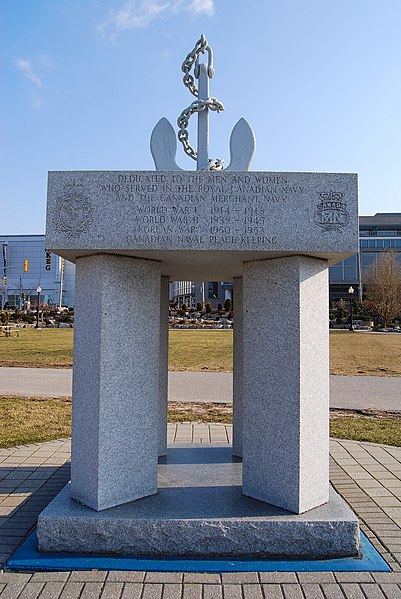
<point x="56" y="277"/>
<point x="26" y="266"/>
<point x="376" y="234"/>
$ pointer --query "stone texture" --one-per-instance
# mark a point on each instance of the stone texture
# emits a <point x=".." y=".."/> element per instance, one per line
<point x="163" y="368"/>
<point x="286" y="405"/>
<point x="115" y="380"/>
<point x="128" y="232"/>
<point x="199" y="511"/>
<point x="202" y="223"/>
<point x="238" y="368"/>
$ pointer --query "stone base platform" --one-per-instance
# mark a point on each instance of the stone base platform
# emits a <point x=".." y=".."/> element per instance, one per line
<point x="200" y="511"/>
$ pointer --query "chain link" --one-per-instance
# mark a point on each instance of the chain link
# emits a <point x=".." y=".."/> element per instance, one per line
<point x="192" y="59"/>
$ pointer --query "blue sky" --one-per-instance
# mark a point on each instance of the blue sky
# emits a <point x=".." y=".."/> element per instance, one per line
<point x="85" y="81"/>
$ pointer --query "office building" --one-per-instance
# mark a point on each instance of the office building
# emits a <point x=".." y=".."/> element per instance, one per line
<point x="376" y="234"/>
<point x="26" y="266"/>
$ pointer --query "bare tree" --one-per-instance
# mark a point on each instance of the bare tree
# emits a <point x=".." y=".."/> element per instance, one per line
<point x="383" y="287"/>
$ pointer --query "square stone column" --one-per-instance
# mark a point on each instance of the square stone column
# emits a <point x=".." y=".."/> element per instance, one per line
<point x="163" y="370"/>
<point x="238" y="367"/>
<point x="115" y="380"/>
<point x="286" y="382"/>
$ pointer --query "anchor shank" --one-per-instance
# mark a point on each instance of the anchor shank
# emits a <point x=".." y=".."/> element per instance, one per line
<point x="203" y="120"/>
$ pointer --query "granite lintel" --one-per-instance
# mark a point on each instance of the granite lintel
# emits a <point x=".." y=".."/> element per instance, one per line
<point x="188" y="220"/>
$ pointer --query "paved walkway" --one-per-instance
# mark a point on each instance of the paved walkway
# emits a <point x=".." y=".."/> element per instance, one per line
<point x="368" y="476"/>
<point x="349" y="392"/>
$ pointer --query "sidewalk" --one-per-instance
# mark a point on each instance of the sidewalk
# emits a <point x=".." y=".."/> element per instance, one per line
<point x="347" y="392"/>
<point x="368" y="476"/>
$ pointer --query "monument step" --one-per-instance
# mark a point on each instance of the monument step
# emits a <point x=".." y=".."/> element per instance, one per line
<point x="199" y="511"/>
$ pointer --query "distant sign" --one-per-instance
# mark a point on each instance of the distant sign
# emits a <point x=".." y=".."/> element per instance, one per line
<point x="48" y="261"/>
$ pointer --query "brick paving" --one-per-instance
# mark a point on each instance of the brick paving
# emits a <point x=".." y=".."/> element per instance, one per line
<point x="368" y="476"/>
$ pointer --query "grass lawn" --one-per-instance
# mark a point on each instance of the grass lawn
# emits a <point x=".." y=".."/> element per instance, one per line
<point x="44" y="348"/>
<point x="384" y="428"/>
<point x="35" y="419"/>
<point x="376" y="354"/>
<point x="350" y="353"/>
<point x="209" y="350"/>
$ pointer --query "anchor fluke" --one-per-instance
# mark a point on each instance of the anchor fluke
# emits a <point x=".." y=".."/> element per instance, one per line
<point x="163" y="146"/>
<point x="242" y="146"/>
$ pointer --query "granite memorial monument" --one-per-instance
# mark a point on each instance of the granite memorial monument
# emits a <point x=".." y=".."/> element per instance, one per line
<point x="274" y="234"/>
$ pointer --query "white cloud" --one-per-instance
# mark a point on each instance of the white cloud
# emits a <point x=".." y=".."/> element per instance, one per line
<point x="132" y="17"/>
<point x="140" y="13"/>
<point x="25" y="66"/>
<point x="202" y="6"/>
<point x="30" y="68"/>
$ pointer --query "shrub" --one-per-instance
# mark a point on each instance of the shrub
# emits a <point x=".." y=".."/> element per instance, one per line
<point x="227" y="305"/>
<point x="184" y="307"/>
<point x="27" y="318"/>
<point x="199" y="307"/>
<point x="208" y="308"/>
<point x="220" y="307"/>
<point x="340" y="316"/>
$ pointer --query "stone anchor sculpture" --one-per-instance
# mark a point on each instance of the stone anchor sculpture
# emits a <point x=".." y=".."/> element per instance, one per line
<point x="163" y="144"/>
<point x="273" y="234"/>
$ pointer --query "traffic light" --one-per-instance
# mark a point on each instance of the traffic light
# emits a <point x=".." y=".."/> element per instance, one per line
<point x="26" y="265"/>
<point x="4" y="281"/>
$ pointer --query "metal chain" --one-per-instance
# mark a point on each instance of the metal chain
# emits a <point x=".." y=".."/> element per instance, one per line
<point x="192" y="59"/>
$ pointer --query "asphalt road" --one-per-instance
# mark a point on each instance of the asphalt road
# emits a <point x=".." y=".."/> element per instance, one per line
<point x="352" y="392"/>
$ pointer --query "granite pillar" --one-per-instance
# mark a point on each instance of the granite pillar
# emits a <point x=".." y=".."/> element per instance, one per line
<point x="238" y="367"/>
<point x="286" y="377"/>
<point x="163" y="373"/>
<point x="116" y="380"/>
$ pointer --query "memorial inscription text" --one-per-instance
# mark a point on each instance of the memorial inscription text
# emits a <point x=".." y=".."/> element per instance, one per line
<point x="201" y="208"/>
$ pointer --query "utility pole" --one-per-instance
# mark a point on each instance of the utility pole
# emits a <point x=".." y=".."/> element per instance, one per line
<point x="61" y="283"/>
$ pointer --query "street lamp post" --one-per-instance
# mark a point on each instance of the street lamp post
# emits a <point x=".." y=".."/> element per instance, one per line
<point x="351" y="295"/>
<point x="38" y="290"/>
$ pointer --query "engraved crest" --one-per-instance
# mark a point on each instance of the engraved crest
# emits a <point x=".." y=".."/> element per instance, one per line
<point x="73" y="211"/>
<point x="331" y="213"/>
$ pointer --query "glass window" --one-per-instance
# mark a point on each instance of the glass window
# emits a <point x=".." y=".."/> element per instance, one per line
<point x="335" y="274"/>
<point x="350" y="274"/>
<point x="368" y="259"/>
<point x="213" y="290"/>
<point x="351" y="261"/>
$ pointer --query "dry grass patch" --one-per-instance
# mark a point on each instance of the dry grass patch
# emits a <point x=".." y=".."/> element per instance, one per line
<point x="377" y="354"/>
<point x="36" y="419"/>
<point x="200" y="412"/>
<point x="43" y="348"/>
<point x="369" y="425"/>
<point x="33" y="420"/>
<point x="201" y="350"/>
